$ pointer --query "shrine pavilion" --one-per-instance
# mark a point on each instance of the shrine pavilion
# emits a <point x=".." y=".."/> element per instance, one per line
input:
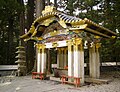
<point x="69" y="36"/>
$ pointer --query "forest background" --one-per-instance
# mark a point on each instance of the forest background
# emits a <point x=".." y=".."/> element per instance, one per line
<point x="16" y="17"/>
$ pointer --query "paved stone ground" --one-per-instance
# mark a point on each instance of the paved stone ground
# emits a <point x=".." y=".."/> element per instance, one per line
<point x="26" y="84"/>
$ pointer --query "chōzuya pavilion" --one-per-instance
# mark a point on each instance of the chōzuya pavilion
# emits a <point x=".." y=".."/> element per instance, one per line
<point x="68" y="35"/>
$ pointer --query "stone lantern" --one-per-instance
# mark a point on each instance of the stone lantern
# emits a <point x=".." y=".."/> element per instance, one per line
<point x="21" y="61"/>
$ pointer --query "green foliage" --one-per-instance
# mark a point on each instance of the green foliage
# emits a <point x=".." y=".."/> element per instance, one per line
<point x="9" y="30"/>
<point x="105" y="12"/>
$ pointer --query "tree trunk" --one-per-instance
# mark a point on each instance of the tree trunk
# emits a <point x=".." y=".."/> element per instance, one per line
<point x="48" y="2"/>
<point x="22" y="22"/>
<point x="40" y="5"/>
<point x="30" y="56"/>
<point x="10" y="40"/>
<point x="30" y="44"/>
<point x="55" y="3"/>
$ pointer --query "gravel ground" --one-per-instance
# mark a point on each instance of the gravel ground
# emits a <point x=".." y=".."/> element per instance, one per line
<point x="26" y="84"/>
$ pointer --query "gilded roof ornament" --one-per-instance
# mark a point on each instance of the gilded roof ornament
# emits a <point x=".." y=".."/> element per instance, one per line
<point x="70" y="23"/>
<point x="48" y="9"/>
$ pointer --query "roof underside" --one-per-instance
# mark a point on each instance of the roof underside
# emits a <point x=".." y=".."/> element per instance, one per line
<point x="67" y="22"/>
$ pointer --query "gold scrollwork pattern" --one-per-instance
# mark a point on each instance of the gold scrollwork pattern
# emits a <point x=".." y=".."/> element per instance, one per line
<point x="69" y="42"/>
<point x="55" y="44"/>
<point x="40" y="46"/>
<point x="98" y="45"/>
<point x="77" y="41"/>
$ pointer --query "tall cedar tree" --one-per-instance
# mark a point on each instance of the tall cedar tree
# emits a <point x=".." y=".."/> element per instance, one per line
<point x="30" y="56"/>
<point x="30" y="44"/>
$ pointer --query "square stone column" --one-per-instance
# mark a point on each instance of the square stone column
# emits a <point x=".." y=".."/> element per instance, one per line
<point x="38" y="60"/>
<point x="94" y="61"/>
<point x="43" y="63"/>
<point x="65" y="57"/>
<point x="62" y="58"/>
<point x="39" y="57"/>
<point x="98" y="45"/>
<point x="70" y="59"/>
<point x="82" y="75"/>
<point x="58" y="58"/>
<point x="78" y="59"/>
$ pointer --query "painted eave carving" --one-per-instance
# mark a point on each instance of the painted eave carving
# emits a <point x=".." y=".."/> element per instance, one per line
<point x="65" y="20"/>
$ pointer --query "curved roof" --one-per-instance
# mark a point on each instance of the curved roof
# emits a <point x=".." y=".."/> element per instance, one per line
<point x="67" y="22"/>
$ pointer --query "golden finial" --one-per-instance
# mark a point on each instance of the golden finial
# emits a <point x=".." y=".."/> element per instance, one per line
<point x="48" y="9"/>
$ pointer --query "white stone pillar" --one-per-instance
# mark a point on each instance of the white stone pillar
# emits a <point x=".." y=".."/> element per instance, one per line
<point x="82" y="63"/>
<point x="38" y="56"/>
<point x="43" y="65"/>
<point x="61" y="58"/>
<point x="70" y="59"/>
<point x="79" y="59"/>
<point x="58" y="58"/>
<point x="94" y="61"/>
<point x="38" y="60"/>
<point x="97" y="60"/>
<point x="90" y="61"/>
<point x="76" y="61"/>
<point x="65" y="57"/>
